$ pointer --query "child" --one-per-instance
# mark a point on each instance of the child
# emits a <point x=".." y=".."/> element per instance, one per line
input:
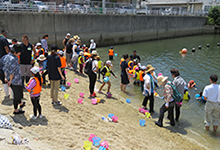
<point x="34" y="87"/>
<point x="142" y="74"/>
<point x="111" y="53"/>
<point x="81" y="62"/>
<point x="99" y="66"/>
<point x="63" y="65"/>
<point x="106" y="72"/>
<point x="42" y="61"/>
<point x="186" y="95"/>
<point x="191" y="84"/>
<point x="136" y="75"/>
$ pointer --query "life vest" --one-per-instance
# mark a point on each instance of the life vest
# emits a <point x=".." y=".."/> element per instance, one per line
<point x="79" y="60"/>
<point x="87" y="55"/>
<point x="130" y="65"/>
<point x="130" y="72"/>
<point x="134" y="67"/>
<point x="37" y="88"/>
<point x="138" y="75"/>
<point x="122" y="59"/>
<point x="141" y="75"/>
<point x="63" y="62"/>
<point x="41" y="49"/>
<point x="111" y="52"/>
<point x="108" y="73"/>
<point x="185" y="96"/>
<point x="99" y="64"/>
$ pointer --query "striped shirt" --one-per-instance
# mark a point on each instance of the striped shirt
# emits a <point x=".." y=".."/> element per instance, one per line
<point x="167" y="92"/>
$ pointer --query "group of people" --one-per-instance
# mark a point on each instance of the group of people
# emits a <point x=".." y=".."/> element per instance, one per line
<point x="173" y="92"/>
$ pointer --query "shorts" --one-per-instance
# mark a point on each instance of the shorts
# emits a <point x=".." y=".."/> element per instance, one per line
<point x="124" y="79"/>
<point x="25" y="70"/>
<point x="68" y="57"/>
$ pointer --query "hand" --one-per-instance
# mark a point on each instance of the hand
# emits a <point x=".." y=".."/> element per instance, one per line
<point x="115" y="76"/>
<point x="6" y="80"/>
<point x="9" y="83"/>
<point x="167" y="106"/>
<point x="62" y="77"/>
<point x="32" y="61"/>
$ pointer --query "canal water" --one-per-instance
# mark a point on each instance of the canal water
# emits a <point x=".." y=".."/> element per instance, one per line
<point x="164" y="55"/>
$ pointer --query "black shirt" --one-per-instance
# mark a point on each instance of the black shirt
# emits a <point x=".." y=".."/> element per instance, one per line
<point x="132" y="57"/>
<point x="3" y="43"/>
<point x="66" y="40"/>
<point x="69" y="47"/>
<point x="25" y="57"/>
<point x="53" y="62"/>
<point x="124" y="66"/>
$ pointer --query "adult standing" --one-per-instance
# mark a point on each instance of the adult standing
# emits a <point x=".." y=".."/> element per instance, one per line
<point x="212" y="107"/>
<point x="4" y="49"/>
<point x="44" y="44"/>
<point x="75" y="56"/>
<point x="169" y="101"/>
<point x="92" y="46"/>
<point x="124" y="73"/>
<point x="13" y="76"/>
<point x="149" y="88"/>
<point x="180" y="84"/>
<point x="69" y="52"/>
<point x="55" y="74"/>
<point x="66" y="39"/>
<point x="135" y="56"/>
<point x="93" y="73"/>
<point x="26" y="60"/>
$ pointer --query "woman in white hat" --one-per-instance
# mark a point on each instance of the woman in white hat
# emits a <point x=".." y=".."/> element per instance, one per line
<point x="169" y="101"/>
<point x="149" y="88"/>
<point x="92" y="46"/>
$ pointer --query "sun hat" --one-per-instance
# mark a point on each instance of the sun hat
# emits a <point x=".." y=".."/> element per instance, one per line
<point x="68" y="34"/>
<point x="143" y="68"/>
<point x="35" y="70"/>
<point x="81" y="53"/>
<point x="161" y="79"/>
<point x="38" y="44"/>
<point x="78" y="42"/>
<point x="94" y="53"/>
<point x="76" y="37"/>
<point x="108" y="62"/>
<point x="41" y="58"/>
<point x="92" y="40"/>
<point x="150" y="68"/>
<point x="60" y="52"/>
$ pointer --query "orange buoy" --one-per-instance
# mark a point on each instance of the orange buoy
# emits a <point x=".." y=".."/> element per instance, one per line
<point x="184" y="50"/>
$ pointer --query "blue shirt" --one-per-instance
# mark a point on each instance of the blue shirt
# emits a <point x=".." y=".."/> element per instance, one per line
<point x="11" y="67"/>
<point x="211" y="92"/>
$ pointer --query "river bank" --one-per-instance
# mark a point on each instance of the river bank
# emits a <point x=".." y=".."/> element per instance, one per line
<point x="69" y="125"/>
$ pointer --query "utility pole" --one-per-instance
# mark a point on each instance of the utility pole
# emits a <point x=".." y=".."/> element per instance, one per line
<point x="103" y="7"/>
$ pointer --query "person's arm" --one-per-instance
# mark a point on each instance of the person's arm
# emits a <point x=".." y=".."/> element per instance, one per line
<point x="59" y="69"/>
<point x="96" y="66"/>
<point x="113" y="74"/>
<point x="64" y="40"/>
<point x="139" y="58"/>
<point x="11" y="77"/>
<point x="32" y="61"/>
<point x="6" y="49"/>
<point x="31" y="85"/>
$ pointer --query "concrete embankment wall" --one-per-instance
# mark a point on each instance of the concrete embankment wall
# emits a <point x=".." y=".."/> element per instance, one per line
<point x="105" y="29"/>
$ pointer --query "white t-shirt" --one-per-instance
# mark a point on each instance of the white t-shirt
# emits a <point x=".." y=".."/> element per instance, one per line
<point x="211" y="92"/>
<point x="94" y="65"/>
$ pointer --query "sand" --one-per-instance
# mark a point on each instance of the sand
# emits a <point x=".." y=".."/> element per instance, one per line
<point x="68" y="126"/>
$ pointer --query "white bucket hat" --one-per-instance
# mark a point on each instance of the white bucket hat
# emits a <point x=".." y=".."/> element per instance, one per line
<point x="41" y="58"/>
<point x="35" y="70"/>
<point x="108" y="62"/>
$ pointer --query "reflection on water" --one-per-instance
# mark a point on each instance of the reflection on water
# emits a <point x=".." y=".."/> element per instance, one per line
<point x="164" y="55"/>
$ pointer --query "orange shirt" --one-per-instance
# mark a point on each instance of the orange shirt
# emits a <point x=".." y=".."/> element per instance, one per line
<point x="63" y="61"/>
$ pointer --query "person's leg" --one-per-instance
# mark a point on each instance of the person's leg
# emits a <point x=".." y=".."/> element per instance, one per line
<point x="170" y="113"/>
<point x="90" y="84"/>
<point x="81" y="68"/>
<point x="163" y="109"/>
<point x="38" y="105"/>
<point x="56" y="89"/>
<point x="142" y="86"/>
<point x="34" y="102"/>
<point x="109" y="86"/>
<point x="208" y="112"/>
<point x="144" y="103"/>
<point x="99" y="72"/>
<point x="103" y="84"/>
<point x="151" y="97"/>
<point x="177" y="109"/>
<point x="22" y="70"/>
<point x="94" y="77"/>
<point x="52" y="89"/>
<point x="215" y="116"/>
<point x="17" y="96"/>
<point x="124" y="87"/>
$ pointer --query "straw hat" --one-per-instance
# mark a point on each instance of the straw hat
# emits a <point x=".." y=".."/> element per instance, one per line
<point x="161" y="79"/>
<point x="76" y="37"/>
<point x="41" y="58"/>
<point x="94" y="53"/>
<point x="78" y="42"/>
<point x="150" y="68"/>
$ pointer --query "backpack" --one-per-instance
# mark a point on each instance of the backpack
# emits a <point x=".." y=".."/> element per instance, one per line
<point x="88" y="67"/>
<point x="176" y="94"/>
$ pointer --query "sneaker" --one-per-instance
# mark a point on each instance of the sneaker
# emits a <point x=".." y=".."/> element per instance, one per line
<point x="40" y="116"/>
<point x="108" y="93"/>
<point x="100" y="92"/>
<point x="21" y="106"/>
<point x="71" y="68"/>
<point x="52" y="102"/>
<point x="94" y="94"/>
<point x="19" y="112"/>
<point x="58" y="103"/>
<point x="33" y="117"/>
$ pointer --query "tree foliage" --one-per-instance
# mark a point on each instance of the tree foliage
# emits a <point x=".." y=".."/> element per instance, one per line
<point x="214" y="16"/>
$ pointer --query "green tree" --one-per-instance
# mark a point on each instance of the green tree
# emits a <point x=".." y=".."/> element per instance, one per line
<point x="214" y="16"/>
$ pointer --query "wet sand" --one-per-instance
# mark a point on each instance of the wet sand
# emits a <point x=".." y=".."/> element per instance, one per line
<point x="68" y="126"/>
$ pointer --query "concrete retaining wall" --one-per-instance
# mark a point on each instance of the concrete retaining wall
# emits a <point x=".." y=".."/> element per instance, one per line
<point x="105" y="29"/>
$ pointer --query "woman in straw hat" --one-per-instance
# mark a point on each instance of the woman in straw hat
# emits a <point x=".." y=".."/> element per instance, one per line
<point x="149" y="88"/>
<point x="169" y="101"/>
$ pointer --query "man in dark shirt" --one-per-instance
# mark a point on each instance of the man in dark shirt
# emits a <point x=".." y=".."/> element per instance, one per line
<point x="135" y="56"/>
<point x="26" y="60"/>
<point x="4" y="45"/>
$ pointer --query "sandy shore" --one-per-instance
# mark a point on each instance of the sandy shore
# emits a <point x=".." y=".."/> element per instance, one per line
<point x="68" y="126"/>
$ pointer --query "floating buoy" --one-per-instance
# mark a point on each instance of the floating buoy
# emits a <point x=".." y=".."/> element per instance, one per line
<point x="207" y="45"/>
<point x="184" y="50"/>
<point x="200" y="47"/>
<point x="193" y="49"/>
<point x="218" y="44"/>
